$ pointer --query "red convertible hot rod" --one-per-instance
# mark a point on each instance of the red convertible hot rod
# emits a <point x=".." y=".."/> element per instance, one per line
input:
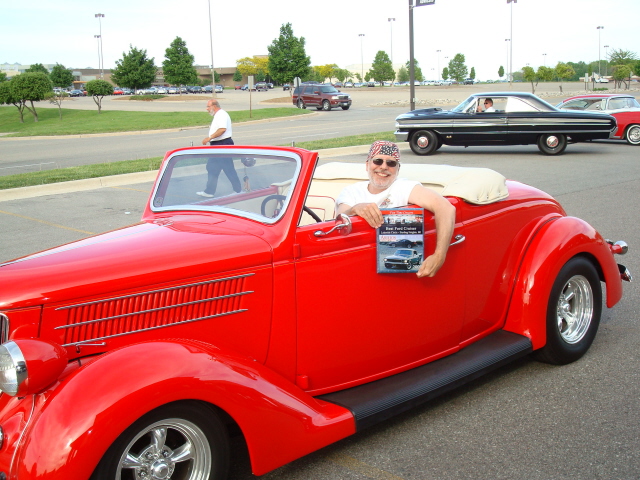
<point x="134" y="354"/>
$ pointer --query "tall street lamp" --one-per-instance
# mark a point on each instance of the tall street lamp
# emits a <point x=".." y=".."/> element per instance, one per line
<point x="599" y="28"/>
<point x="508" y="40"/>
<point x="361" y="58"/>
<point x="213" y="75"/>
<point x="100" y="16"/>
<point x="438" y="72"/>
<point x="98" y="38"/>
<point x="511" y="43"/>
<point x="391" y="20"/>
<point x="606" y="55"/>
<point x="544" y="59"/>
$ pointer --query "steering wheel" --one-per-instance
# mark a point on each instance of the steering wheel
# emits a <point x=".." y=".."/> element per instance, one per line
<point x="282" y="198"/>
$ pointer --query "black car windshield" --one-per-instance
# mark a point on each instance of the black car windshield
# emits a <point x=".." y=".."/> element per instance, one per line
<point x="328" y="89"/>
<point x="267" y="180"/>
<point x="404" y="253"/>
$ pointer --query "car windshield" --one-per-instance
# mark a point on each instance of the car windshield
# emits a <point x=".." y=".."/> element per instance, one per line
<point x="328" y="89"/>
<point x="267" y="182"/>
<point x="404" y="253"/>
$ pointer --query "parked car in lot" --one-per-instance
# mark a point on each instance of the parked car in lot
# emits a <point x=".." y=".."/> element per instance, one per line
<point x="118" y="91"/>
<point x="195" y="89"/>
<point x="624" y="108"/>
<point x="405" y="258"/>
<point x="286" y="86"/>
<point x="261" y="87"/>
<point x="219" y="89"/>
<point x="173" y="90"/>
<point x="348" y="84"/>
<point x="468" y="81"/>
<point x="162" y="91"/>
<point x="323" y="97"/>
<point x="134" y="353"/>
<point x="519" y="119"/>
<point x="76" y="93"/>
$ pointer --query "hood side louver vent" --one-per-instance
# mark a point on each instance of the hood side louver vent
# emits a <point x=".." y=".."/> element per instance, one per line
<point x="114" y="317"/>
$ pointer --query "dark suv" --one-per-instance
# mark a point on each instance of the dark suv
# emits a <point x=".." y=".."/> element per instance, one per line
<point x="469" y="81"/>
<point x="323" y="97"/>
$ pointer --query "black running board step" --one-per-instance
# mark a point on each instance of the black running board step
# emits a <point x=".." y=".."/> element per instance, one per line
<point x="377" y="401"/>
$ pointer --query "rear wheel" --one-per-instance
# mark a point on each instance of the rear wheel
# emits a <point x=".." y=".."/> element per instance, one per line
<point x="423" y="142"/>
<point x="179" y="442"/>
<point x="573" y="313"/>
<point x="632" y="135"/>
<point x="552" y="143"/>
<point x="326" y="106"/>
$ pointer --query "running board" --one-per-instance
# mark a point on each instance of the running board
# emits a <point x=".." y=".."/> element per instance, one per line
<point x="377" y="401"/>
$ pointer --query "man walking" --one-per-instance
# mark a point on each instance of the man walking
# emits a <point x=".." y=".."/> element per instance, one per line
<point x="219" y="134"/>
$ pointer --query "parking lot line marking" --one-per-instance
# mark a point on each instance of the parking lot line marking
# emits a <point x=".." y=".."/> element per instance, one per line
<point x="46" y="223"/>
<point x="356" y="465"/>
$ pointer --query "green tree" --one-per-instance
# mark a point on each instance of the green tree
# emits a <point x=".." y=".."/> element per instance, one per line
<point x="61" y="76"/>
<point x="501" y="71"/>
<point x="622" y="73"/>
<point x="417" y="71"/>
<point x="457" y="69"/>
<point x="563" y="72"/>
<point x="403" y="74"/>
<point x="237" y="77"/>
<point x="37" y="68"/>
<point x="314" y="76"/>
<point x="445" y="73"/>
<point x="472" y="73"/>
<point x="622" y="57"/>
<point x="8" y="98"/>
<point x="56" y="98"/>
<point x="636" y="67"/>
<point x="31" y="87"/>
<point x="529" y="75"/>
<point x="98" y="89"/>
<point x="342" y="74"/>
<point x="287" y="56"/>
<point x="3" y="77"/>
<point x="382" y="68"/>
<point x="326" y="71"/>
<point x="134" y="70"/>
<point x="544" y="74"/>
<point x="177" y="66"/>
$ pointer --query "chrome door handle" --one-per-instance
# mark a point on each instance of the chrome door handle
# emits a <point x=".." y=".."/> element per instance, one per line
<point x="457" y="239"/>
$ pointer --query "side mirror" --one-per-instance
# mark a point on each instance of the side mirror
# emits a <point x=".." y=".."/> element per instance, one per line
<point x="342" y="224"/>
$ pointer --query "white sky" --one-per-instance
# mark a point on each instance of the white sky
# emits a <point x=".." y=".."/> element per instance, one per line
<point x="45" y="31"/>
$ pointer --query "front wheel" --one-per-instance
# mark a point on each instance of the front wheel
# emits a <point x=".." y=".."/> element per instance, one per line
<point x="423" y="142"/>
<point x="179" y="441"/>
<point x="632" y="135"/>
<point x="552" y="144"/>
<point x="573" y="313"/>
<point x="326" y="106"/>
<point x="346" y="108"/>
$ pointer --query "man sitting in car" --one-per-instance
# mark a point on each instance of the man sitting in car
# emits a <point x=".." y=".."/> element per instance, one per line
<point x="385" y="190"/>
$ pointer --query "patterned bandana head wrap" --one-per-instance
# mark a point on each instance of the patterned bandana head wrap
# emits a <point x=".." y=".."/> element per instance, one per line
<point x="384" y="147"/>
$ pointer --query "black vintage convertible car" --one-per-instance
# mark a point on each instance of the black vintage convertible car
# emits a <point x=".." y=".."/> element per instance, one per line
<point x="501" y="118"/>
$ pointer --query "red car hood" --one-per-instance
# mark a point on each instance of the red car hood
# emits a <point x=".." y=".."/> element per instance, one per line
<point x="138" y="256"/>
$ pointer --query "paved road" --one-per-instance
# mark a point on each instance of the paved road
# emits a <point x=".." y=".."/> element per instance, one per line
<point x="526" y="421"/>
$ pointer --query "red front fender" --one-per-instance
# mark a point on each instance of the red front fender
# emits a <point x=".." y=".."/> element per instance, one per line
<point x="557" y="241"/>
<point x="82" y="416"/>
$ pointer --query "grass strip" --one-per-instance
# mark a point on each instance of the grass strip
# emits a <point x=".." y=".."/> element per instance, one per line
<point x="81" y="122"/>
<point x="143" y="165"/>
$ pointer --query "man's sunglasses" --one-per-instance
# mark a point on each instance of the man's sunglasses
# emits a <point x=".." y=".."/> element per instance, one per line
<point x="380" y="161"/>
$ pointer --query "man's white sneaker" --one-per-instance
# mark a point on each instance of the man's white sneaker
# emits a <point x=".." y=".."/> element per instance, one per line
<point x="204" y="194"/>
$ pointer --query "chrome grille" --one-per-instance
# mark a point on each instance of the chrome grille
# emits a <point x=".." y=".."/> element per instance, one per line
<point x="4" y="328"/>
<point x="167" y="307"/>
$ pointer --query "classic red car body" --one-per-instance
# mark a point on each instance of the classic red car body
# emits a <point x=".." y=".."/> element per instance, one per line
<point x="244" y="313"/>
<point x="625" y="109"/>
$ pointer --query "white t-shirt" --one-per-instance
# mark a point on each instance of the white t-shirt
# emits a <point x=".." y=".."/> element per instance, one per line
<point x="397" y="195"/>
<point x="220" y="120"/>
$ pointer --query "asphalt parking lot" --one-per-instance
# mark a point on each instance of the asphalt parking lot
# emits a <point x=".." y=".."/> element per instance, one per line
<point x="525" y="421"/>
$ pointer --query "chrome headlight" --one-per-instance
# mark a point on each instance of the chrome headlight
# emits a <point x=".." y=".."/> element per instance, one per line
<point x="28" y="366"/>
<point x="13" y="368"/>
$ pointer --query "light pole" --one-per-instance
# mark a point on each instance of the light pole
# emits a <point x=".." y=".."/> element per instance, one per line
<point x="599" y="71"/>
<point x="606" y="66"/>
<point x="391" y="20"/>
<point x="100" y="16"/>
<point x="438" y="72"/>
<point x="361" y="58"/>
<point x="508" y="40"/>
<point x="511" y="44"/>
<point x="98" y="38"/>
<point x="213" y="74"/>
<point x="544" y="59"/>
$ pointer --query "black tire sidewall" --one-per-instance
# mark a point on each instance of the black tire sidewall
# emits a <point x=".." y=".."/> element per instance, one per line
<point x="431" y="147"/>
<point x="205" y="418"/>
<point x="546" y="150"/>
<point x="556" y="350"/>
